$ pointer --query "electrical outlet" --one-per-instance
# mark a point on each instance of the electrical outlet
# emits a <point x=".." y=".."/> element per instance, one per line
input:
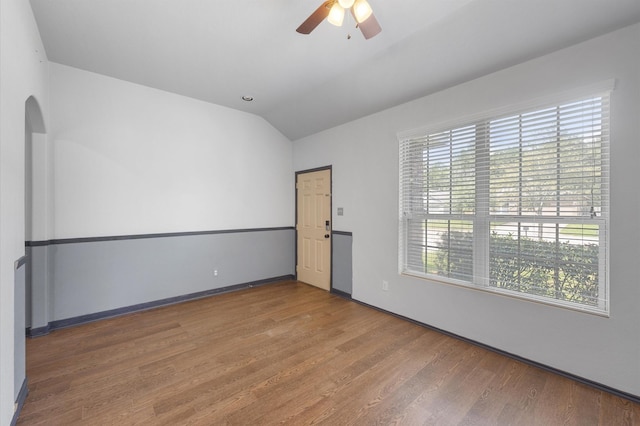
<point x="215" y="272"/>
<point x="385" y="285"/>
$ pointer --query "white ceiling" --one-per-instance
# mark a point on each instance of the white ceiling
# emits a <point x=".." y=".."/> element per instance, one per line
<point x="218" y="51"/>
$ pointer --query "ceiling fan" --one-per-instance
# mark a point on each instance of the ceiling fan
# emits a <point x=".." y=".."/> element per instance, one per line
<point x="334" y="11"/>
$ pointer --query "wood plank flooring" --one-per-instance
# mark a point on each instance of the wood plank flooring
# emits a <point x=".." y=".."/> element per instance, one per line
<point x="290" y="353"/>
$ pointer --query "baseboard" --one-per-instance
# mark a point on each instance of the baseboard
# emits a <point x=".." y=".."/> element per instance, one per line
<point x="22" y="397"/>
<point x="84" y="319"/>
<point x="596" y="385"/>
<point x="38" y="331"/>
<point x="341" y="293"/>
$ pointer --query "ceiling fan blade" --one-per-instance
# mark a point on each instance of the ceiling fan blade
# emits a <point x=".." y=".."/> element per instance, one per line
<point x="370" y="27"/>
<point x="316" y="17"/>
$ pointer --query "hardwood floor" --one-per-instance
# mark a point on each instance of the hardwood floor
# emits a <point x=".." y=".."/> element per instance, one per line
<point x="290" y="353"/>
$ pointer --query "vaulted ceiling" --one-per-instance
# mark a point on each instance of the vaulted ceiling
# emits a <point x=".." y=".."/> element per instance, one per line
<point x="218" y="51"/>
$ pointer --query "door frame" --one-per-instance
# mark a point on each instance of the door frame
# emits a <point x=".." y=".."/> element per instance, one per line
<point x="295" y="182"/>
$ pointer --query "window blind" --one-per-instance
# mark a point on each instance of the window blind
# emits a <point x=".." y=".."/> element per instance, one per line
<point x="516" y="203"/>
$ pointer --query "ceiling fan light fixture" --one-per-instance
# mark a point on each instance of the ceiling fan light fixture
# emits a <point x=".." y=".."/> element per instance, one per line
<point x="334" y="10"/>
<point x="361" y="10"/>
<point x="336" y="15"/>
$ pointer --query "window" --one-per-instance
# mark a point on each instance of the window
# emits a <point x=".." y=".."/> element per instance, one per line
<point x="515" y="203"/>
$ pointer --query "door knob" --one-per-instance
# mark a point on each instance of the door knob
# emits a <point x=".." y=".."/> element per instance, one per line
<point x="326" y="235"/>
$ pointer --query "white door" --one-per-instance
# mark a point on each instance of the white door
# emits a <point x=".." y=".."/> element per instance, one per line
<point x="313" y="264"/>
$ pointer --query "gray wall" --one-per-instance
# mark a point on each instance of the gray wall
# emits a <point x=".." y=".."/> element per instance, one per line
<point x="27" y="288"/>
<point x="342" y="271"/>
<point x="19" y="348"/>
<point x="39" y="276"/>
<point x="95" y="275"/>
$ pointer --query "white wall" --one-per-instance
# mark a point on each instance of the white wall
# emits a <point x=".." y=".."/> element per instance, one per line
<point x="23" y="72"/>
<point x="129" y="159"/>
<point x="364" y="155"/>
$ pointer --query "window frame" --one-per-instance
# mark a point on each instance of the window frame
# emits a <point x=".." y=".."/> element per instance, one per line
<point x="482" y="218"/>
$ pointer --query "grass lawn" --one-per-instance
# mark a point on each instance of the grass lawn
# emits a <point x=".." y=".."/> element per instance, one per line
<point x="580" y="230"/>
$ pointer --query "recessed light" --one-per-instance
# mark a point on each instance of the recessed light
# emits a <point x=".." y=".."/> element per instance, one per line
<point x="247" y="98"/>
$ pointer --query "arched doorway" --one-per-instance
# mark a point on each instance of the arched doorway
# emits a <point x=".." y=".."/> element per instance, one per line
<point x="23" y="294"/>
<point x="37" y="181"/>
